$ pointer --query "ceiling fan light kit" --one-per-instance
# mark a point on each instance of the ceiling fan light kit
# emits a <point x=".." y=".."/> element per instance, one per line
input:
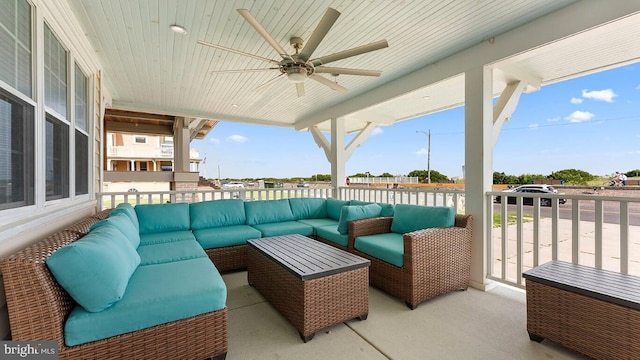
<point x="299" y="67"/>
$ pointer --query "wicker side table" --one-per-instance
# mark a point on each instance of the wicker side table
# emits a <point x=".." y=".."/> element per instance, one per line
<point x="592" y="311"/>
<point x="314" y="285"/>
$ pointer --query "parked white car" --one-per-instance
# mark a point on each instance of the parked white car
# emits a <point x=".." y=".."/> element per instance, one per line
<point x="233" y="185"/>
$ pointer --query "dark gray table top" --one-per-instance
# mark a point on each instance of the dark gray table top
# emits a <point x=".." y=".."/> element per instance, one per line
<point x="307" y="258"/>
<point x="606" y="285"/>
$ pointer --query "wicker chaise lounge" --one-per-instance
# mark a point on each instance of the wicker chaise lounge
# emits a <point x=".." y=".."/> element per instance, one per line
<point x="436" y="260"/>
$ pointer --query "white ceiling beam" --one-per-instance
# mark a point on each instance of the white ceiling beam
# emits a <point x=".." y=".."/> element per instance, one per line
<point x="572" y="20"/>
<point x="321" y="140"/>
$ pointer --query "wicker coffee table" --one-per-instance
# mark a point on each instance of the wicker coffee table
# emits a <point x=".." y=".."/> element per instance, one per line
<point x="314" y="285"/>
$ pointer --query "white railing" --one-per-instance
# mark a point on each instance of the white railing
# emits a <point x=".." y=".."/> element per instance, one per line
<point x="585" y="230"/>
<point x="384" y="180"/>
<point x="589" y="229"/>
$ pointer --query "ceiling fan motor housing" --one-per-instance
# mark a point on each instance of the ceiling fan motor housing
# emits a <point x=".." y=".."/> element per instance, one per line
<point x="296" y="72"/>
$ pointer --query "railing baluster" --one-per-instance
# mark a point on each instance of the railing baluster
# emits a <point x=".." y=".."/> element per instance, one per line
<point x="598" y="232"/>
<point x="624" y="237"/>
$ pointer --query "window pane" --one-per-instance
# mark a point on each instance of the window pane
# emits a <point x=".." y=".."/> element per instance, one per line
<point x="16" y="152"/>
<point x="15" y="44"/>
<point x="81" y="99"/>
<point x="57" y="159"/>
<point x="82" y="163"/>
<point x="55" y="69"/>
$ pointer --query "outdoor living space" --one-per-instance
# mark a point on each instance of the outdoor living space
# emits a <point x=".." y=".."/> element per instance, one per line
<point x="461" y="325"/>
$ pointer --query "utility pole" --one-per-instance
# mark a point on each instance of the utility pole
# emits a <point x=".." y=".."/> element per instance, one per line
<point x="428" y="154"/>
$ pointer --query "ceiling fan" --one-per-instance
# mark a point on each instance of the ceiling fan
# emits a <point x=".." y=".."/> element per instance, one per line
<point x="299" y="67"/>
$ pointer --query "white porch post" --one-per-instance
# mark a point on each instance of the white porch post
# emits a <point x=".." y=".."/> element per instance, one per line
<point x="338" y="155"/>
<point x="478" y="164"/>
<point x="181" y="143"/>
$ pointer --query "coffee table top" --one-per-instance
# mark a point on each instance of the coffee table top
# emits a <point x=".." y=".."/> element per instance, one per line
<point x="306" y="258"/>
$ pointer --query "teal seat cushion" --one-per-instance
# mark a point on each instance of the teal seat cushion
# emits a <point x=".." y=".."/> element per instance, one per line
<point x="388" y="247"/>
<point x="156" y="294"/>
<point x="165" y="237"/>
<point x="225" y="236"/>
<point x="124" y="224"/>
<point x="268" y="211"/>
<point x="95" y="270"/>
<point x="387" y="209"/>
<point x="284" y="228"/>
<point x="170" y="251"/>
<point x="157" y="218"/>
<point x="356" y="212"/>
<point x="334" y="206"/>
<point x="127" y="209"/>
<point x="316" y="223"/>
<point x="408" y="218"/>
<point x="217" y="213"/>
<point x="332" y="234"/>
<point x="308" y="208"/>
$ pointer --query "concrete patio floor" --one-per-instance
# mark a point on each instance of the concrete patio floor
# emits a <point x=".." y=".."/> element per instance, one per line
<point x="461" y="325"/>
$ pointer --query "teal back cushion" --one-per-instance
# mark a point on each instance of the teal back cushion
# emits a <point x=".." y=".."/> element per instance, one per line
<point x="217" y="213"/>
<point x="157" y="218"/>
<point x="356" y="212"/>
<point x="308" y="208"/>
<point x="408" y="218"/>
<point x="334" y="207"/>
<point x="95" y="270"/>
<point x="387" y="209"/>
<point x="268" y="211"/>
<point x="127" y="209"/>
<point x="123" y="223"/>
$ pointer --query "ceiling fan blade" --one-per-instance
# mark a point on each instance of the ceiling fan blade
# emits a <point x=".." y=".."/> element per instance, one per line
<point x="261" y="30"/>
<point x="329" y="83"/>
<point x="241" y="71"/>
<point x="325" y="24"/>
<point x="345" y="71"/>
<point x="238" y="52"/>
<point x="270" y="82"/>
<point x="300" y="89"/>
<point x="351" y="52"/>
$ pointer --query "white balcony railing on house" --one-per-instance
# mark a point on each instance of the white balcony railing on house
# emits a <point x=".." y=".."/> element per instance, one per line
<point x="586" y="230"/>
<point x="162" y="152"/>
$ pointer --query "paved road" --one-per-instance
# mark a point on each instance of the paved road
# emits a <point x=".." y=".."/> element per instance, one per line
<point x="611" y="211"/>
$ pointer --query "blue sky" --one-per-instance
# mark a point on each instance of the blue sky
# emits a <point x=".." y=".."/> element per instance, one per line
<point x="590" y="123"/>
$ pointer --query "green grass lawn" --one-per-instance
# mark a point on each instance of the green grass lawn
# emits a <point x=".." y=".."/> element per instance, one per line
<point x="511" y="219"/>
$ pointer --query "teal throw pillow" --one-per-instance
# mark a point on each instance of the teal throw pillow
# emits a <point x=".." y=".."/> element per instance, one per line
<point x="127" y="209"/>
<point x="408" y="218"/>
<point x="96" y="269"/>
<point x="123" y="223"/>
<point x="356" y="212"/>
<point x="334" y="206"/>
<point x="387" y="209"/>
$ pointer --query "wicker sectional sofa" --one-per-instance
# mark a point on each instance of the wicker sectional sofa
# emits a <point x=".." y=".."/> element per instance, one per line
<point x="159" y="299"/>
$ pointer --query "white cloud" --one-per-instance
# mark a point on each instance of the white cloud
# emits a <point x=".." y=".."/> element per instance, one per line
<point x="638" y="87"/>
<point x="555" y="119"/>
<point x="377" y="131"/>
<point x="580" y="116"/>
<point x="421" y="152"/>
<point x="575" y="100"/>
<point x="214" y="141"/>
<point x="534" y="126"/>
<point x="601" y="95"/>
<point x="238" y="138"/>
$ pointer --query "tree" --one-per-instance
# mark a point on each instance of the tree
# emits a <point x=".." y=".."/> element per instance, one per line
<point x="436" y="177"/>
<point x="572" y="176"/>
<point x="386" y="174"/>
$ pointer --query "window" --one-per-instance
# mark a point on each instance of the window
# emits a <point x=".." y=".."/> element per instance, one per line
<point x="55" y="73"/>
<point x="16" y="152"/>
<point x="81" y="115"/>
<point x="57" y="158"/>
<point x="15" y="44"/>
<point x="139" y="139"/>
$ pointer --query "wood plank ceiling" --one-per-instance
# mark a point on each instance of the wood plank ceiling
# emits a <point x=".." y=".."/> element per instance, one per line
<point x="150" y="69"/>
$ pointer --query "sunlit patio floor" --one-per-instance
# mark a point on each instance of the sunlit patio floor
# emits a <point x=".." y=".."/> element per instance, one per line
<point x="462" y="325"/>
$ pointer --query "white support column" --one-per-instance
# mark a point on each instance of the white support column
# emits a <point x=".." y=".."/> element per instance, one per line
<point x="338" y="155"/>
<point x="478" y="164"/>
<point x="362" y="136"/>
<point x="321" y="140"/>
<point x="181" y="142"/>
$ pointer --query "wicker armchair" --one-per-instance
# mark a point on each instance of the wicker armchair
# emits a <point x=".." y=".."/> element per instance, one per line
<point x="436" y="260"/>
